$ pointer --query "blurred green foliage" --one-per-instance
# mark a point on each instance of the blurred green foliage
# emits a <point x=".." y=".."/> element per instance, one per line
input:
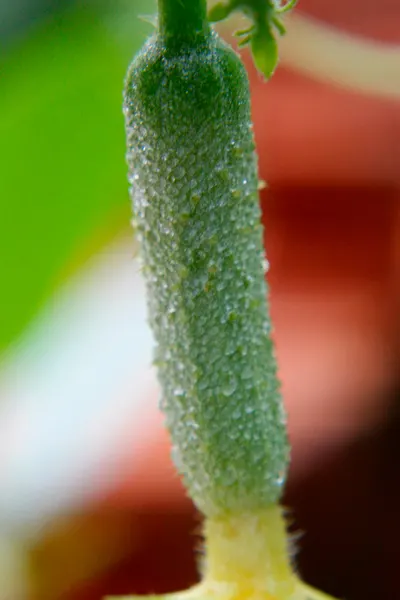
<point x="18" y="15"/>
<point x="62" y="147"/>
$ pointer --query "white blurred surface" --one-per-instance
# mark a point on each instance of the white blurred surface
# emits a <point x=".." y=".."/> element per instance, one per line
<point x="66" y="394"/>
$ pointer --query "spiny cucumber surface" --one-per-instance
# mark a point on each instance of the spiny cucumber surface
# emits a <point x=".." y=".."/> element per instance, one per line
<point x="193" y="175"/>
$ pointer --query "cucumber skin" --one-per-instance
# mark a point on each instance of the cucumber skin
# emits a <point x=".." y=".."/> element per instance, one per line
<point x="193" y="174"/>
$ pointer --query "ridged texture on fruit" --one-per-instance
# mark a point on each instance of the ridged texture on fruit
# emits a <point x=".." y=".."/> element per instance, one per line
<point x="193" y="175"/>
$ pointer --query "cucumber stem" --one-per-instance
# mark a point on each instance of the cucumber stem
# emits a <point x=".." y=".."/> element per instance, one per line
<point x="250" y="551"/>
<point x="182" y="19"/>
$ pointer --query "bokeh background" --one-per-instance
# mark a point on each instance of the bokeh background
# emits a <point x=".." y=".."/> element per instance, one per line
<point x="89" y="500"/>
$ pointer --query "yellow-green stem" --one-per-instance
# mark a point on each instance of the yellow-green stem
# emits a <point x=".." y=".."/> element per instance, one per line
<point x="250" y="552"/>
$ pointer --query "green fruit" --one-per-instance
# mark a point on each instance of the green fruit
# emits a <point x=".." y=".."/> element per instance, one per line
<point x="193" y="174"/>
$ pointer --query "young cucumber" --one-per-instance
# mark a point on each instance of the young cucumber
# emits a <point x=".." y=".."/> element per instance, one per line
<point x="193" y="174"/>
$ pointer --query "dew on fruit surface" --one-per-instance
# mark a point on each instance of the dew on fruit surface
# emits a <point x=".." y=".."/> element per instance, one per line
<point x="180" y="172"/>
<point x="236" y="415"/>
<point x="280" y="479"/>
<point x="247" y="372"/>
<point x="205" y="265"/>
<point x="229" y="387"/>
<point x="203" y="384"/>
<point x="177" y="458"/>
<point x="267" y="327"/>
<point x="133" y="178"/>
<point x="265" y="265"/>
<point x="179" y="393"/>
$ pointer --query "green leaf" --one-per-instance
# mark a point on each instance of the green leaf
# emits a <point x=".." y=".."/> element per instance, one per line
<point x="265" y="16"/>
<point x="265" y="52"/>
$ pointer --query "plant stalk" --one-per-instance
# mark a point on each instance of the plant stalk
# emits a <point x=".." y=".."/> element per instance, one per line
<point x="182" y="18"/>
